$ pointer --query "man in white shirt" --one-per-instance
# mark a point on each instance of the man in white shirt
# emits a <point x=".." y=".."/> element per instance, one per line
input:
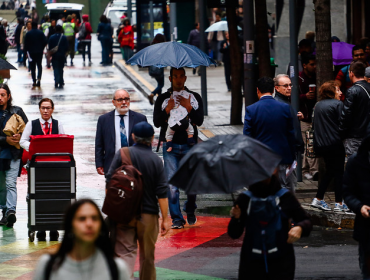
<point x="45" y="125"/>
<point x="114" y="130"/>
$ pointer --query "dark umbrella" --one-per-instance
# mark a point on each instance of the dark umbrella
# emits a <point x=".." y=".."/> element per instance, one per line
<point x="225" y="164"/>
<point x="4" y="65"/>
<point x="172" y="54"/>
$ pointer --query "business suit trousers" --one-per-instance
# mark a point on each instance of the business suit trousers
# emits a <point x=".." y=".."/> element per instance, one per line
<point x="145" y="231"/>
<point x="36" y="61"/>
<point x="289" y="182"/>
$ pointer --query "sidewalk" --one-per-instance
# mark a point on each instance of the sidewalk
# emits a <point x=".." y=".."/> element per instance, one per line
<point x="218" y="123"/>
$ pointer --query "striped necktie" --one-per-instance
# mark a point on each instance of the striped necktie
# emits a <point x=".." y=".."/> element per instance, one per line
<point x="122" y="129"/>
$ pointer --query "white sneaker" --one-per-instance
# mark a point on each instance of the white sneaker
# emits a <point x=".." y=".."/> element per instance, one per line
<point x="308" y="176"/>
<point x="321" y="204"/>
<point x="342" y="207"/>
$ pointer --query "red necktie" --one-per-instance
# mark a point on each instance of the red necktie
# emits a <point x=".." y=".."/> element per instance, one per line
<point x="47" y="128"/>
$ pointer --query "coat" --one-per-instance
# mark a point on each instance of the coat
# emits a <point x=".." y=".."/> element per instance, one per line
<point x="284" y="266"/>
<point x="35" y="41"/>
<point x="105" y="140"/>
<point x="356" y="188"/>
<point x="126" y="37"/>
<point x="271" y="122"/>
<point x="62" y="48"/>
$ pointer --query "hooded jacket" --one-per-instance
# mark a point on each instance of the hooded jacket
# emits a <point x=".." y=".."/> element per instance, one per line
<point x="356" y="188"/>
<point x="87" y="26"/>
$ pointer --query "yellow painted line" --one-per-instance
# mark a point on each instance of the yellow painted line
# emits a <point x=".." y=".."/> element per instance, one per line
<point x="137" y="75"/>
<point x="25" y="247"/>
<point x="207" y="133"/>
<point x="12" y="272"/>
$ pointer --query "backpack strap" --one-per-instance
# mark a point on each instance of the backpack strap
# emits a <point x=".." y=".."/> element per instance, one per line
<point x="281" y="192"/>
<point x="363" y="89"/>
<point x="125" y="155"/>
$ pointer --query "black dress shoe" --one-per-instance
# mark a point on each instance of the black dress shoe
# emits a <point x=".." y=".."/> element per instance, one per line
<point x="38" y="83"/>
<point x="11" y="218"/>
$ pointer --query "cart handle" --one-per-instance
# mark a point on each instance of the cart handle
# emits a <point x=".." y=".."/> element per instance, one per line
<point x="51" y="154"/>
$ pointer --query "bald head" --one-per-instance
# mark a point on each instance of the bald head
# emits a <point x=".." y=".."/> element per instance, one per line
<point x="121" y="100"/>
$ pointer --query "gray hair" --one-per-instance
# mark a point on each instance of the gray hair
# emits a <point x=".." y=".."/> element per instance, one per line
<point x="278" y="77"/>
<point x="4" y="21"/>
<point x="114" y="94"/>
<point x="144" y="140"/>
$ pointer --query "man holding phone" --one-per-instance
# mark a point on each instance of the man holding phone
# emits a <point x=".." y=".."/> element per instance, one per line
<point x="307" y="97"/>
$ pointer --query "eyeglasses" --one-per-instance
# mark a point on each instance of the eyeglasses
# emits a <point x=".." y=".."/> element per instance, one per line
<point x="286" y="85"/>
<point x="46" y="108"/>
<point x="120" y="100"/>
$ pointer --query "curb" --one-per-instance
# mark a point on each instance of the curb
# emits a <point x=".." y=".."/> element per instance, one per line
<point x="139" y="82"/>
<point x="329" y="219"/>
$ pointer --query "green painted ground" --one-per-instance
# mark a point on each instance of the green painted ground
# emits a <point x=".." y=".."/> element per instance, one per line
<point x="168" y="274"/>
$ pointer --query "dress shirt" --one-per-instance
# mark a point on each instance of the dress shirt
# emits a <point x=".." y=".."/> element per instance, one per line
<point x="25" y="139"/>
<point x="117" y="120"/>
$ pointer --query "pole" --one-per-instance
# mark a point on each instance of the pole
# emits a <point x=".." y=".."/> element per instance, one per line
<point x="294" y="70"/>
<point x="129" y="9"/>
<point x="250" y="92"/>
<point x="151" y="16"/>
<point x="203" y="71"/>
<point x="173" y="22"/>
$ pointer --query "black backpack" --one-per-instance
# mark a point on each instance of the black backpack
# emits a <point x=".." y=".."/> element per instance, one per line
<point x="82" y="33"/>
<point x="264" y="226"/>
<point x="156" y="72"/>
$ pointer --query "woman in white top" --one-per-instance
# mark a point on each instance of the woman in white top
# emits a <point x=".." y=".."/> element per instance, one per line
<point x="85" y="252"/>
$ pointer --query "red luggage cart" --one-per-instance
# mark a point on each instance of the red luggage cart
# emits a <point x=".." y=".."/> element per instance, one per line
<point x="51" y="182"/>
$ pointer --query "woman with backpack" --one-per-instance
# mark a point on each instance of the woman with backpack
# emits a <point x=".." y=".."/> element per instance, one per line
<point x="265" y="212"/>
<point x="84" y="36"/>
<point x="85" y="252"/>
<point x="157" y="73"/>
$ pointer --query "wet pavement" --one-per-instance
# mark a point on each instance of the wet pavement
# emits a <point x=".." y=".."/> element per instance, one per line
<point x="203" y="251"/>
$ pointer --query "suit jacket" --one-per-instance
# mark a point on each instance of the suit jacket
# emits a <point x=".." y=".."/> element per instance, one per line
<point x="105" y="141"/>
<point x="271" y="122"/>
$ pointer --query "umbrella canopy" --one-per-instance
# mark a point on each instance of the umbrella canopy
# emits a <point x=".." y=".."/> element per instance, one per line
<point x="4" y="65"/>
<point x="219" y="26"/>
<point x="342" y="53"/>
<point x="171" y="54"/>
<point x="225" y="164"/>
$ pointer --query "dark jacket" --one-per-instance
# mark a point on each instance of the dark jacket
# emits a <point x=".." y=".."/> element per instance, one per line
<point x="105" y="31"/>
<point x="160" y="118"/>
<point x="63" y="45"/>
<point x="284" y="268"/>
<point x="271" y="122"/>
<point x="299" y="144"/>
<point x="306" y="105"/>
<point x="17" y="33"/>
<point x="326" y="125"/>
<point x="35" y="41"/>
<point x="16" y="153"/>
<point x="151" y="168"/>
<point x="356" y="191"/>
<point x="194" y="38"/>
<point x="3" y="42"/>
<point x="105" y="140"/>
<point x="356" y="111"/>
<point x="52" y="31"/>
<point x="225" y="52"/>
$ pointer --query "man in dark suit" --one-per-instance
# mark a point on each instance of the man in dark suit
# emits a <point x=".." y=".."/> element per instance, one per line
<point x="271" y="122"/>
<point x="34" y="44"/>
<point x="114" y="130"/>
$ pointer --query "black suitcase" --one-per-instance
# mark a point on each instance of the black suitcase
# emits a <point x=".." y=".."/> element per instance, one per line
<point x="51" y="190"/>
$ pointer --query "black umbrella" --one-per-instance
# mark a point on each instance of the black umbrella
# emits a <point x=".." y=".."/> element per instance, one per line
<point x="4" y="65"/>
<point x="225" y="164"/>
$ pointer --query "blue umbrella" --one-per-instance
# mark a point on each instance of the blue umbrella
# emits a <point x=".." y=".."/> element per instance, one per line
<point x="171" y="54"/>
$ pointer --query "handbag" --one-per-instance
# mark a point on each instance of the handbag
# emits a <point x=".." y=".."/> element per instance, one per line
<point x="156" y="72"/>
<point x="15" y="125"/>
<point x="55" y="49"/>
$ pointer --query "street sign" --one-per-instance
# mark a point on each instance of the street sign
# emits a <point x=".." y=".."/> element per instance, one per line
<point x="222" y="3"/>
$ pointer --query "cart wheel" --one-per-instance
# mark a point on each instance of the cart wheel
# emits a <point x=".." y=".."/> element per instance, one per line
<point x="31" y="235"/>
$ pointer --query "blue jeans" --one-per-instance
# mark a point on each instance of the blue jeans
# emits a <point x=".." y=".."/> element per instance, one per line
<point x="160" y="85"/>
<point x="8" y="186"/>
<point x="58" y="65"/>
<point x="171" y="164"/>
<point x="105" y="45"/>
<point x="20" y="53"/>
